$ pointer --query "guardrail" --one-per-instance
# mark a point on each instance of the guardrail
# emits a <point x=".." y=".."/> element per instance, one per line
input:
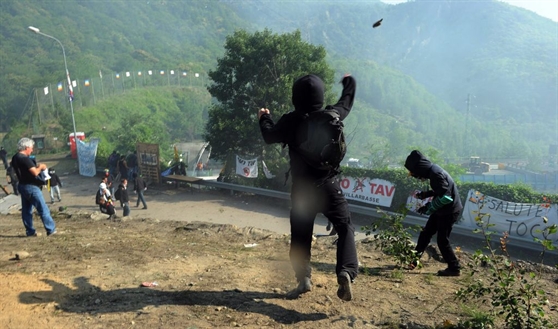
<point x="516" y="246"/>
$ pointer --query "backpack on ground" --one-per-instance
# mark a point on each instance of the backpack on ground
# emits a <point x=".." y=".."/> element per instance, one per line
<point x="320" y="139"/>
<point x="117" y="194"/>
<point x="98" y="197"/>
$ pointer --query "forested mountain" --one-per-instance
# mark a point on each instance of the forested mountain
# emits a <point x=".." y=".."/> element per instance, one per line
<point x="464" y="77"/>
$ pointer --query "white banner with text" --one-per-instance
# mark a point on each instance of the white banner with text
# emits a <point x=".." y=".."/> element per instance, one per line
<point x="520" y="220"/>
<point x="247" y="168"/>
<point x="373" y="191"/>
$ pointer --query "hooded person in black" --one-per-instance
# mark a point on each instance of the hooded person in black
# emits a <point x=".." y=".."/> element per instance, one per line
<point x="443" y="210"/>
<point x="308" y="197"/>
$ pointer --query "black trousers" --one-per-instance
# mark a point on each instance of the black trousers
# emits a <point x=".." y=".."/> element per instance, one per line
<point x="307" y="201"/>
<point x="441" y="225"/>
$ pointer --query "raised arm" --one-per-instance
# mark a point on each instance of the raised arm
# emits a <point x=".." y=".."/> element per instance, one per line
<point x="345" y="102"/>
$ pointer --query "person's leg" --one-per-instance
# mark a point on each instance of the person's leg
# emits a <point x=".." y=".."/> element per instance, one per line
<point x="445" y="225"/>
<point x="26" y="209"/>
<point x="337" y="212"/>
<point x="52" y="194"/>
<point x="38" y="201"/>
<point x="15" y="188"/>
<point x="302" y="225"/>
<point x="426" y="234"/>
<point x="140" y="197"/>
<point x="424" y="238"/>
<point x="57" y="190"/>
<point x="336" y="209"/>
<point x="126" y="208"/>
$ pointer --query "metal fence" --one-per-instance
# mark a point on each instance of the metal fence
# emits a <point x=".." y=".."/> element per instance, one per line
<point x="539" y="182"/>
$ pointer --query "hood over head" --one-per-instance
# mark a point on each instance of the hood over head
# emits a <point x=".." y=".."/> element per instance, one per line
<point x="418" y="165"/>
<point x="308" y="93"/>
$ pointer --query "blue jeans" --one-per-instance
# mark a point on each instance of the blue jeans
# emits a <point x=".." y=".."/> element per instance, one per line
<point x="55" y="190"/>
<point x="140" y="198"/>
<point x="32" y="196"/>
<point x="126" y="209"/>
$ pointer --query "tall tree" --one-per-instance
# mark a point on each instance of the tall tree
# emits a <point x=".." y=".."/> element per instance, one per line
<point x="257" y="71"/>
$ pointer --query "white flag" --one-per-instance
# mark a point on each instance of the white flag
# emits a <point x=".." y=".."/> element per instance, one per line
<point x="46" y="90"/>
<point x="247" y="168"/>
<point x="267" y="173"/>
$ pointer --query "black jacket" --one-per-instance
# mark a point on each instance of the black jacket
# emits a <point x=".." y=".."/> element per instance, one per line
<point x="139" y="184"/>
<point x="124" y="198"/>
<point x="307" y="96"/>
<point x="54" y="179"/>
<point x="440" y="181"/>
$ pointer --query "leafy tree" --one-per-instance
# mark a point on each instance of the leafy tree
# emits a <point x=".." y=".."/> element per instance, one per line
<point x="257" y="71"/>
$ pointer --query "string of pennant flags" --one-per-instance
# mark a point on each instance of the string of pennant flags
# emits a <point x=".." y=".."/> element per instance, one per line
<point x="49" y="99"/>
<point x="87" y="82"/>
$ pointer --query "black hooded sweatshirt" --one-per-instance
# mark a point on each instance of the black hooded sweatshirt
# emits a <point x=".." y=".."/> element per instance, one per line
<point x="440" y="181"/>
<point x="307" y="96"/>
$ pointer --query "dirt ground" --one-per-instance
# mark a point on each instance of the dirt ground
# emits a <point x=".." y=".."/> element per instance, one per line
<point x="218" y="260"/>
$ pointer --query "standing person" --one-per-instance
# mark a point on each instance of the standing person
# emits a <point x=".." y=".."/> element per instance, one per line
<point x="314" y="191"/>
<point x="123" y="197"/>
<point x="11" y="178"/>
<point x="110" y="181"/>
<point x="132" y="162"/>
<point x="112" y="162"/>
<point x="55" y="185"/>
<point x="443" y="210"/>
<point x="123" y="167"/>
<point x="139" y="187"/>
<point x="30" y="188"/>
<point x="4" y="156"/>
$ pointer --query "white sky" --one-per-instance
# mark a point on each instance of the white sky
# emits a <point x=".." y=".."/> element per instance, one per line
<point x="546" y="8"/>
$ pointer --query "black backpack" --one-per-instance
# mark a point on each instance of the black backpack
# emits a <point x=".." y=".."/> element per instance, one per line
<point x="117" y="194"/>
<point x="98" y="197"/>
<point x="320" y="140"/>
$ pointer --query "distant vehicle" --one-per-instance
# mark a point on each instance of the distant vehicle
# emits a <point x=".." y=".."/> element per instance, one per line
<point x="354" y="163"/>
<point x="476" y="166"/>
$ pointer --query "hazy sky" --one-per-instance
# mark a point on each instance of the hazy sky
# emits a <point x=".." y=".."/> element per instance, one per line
<point x="546" y="8"/>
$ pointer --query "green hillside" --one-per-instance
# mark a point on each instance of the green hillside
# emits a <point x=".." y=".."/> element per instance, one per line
<point x="416" y="72"/>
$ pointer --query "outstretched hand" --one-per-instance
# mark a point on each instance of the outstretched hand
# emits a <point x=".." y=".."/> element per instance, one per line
<point x="262" y="111"/>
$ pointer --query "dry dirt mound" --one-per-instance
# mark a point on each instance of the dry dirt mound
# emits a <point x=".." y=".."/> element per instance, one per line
<point x="207" y="275"/>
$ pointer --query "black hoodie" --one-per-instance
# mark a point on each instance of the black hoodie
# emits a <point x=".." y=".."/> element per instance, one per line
<point x="307" y="96"/>
<point x="440" y="181"/>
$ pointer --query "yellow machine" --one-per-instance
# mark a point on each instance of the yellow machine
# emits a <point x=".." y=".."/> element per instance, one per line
<point x="477" y="167"/>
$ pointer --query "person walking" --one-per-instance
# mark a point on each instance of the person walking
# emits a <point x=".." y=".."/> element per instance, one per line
<point x="443" y="210"/>
<point x="4" y="156"/>
<point x="314" y="191"/>
<point x="30" y="188"/>
<point x="123" y="197"/>
<point x="55" y="185"/>
<point x="139" y="187"/>
<point x="11" y="178"/>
